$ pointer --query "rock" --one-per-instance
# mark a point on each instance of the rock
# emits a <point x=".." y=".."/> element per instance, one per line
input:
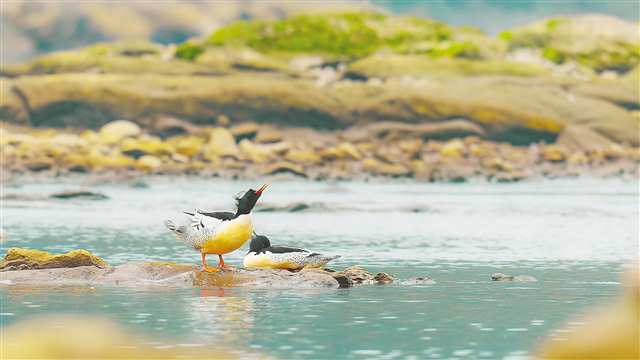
<point x="383" y="278"/>
<point x="167" y="126"/>
<point x="258" y="154"/>
<point x="554" y="153"/>
<point x="519" y="278"/>
<point x="244" y="131"/>
<point x="380" y="168"/>
<point x="582" y="138"/>
<point x="266" y="136"/>
<point x="38" y="164"/>
<point x="70" y="337"/>
<point x="357" y="275"/>
<point x="188" y="146"/>
<point x="118" y="130"/>
<point x="607" y="331"/>
<point x="221" y="143"/>
<point x="171" y="274"/>
<point x="425" y="280"/>
<point x="266" y="278"/>
<point x="149" y="163"/>
<point x="78" y="194"/>
<point x="303" y="157"/>
<point x="283" y="167"/>
<point x="453" y="148"/>
<point x="26" y="259"/>
<point x="145" y="145"/>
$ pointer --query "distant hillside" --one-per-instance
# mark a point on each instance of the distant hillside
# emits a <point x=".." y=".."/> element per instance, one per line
<point x="31" y="28"/>
<point x="540" y="82"/>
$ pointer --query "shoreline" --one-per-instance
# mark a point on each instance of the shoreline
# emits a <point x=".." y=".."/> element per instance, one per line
<point x="121" y="151"/>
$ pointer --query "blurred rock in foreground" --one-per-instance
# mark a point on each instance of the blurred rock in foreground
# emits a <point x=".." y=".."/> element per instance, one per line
<point x="608" y="332"/>
<point x="90" y="337"/>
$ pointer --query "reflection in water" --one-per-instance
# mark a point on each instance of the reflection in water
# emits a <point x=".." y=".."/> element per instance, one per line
<point x="220" y="314"/>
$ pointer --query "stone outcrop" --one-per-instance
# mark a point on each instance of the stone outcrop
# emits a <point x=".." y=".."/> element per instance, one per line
<point x="27" y="259"/>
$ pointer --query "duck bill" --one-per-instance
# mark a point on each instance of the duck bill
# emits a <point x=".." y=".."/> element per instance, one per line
<point x="261" y="189"/>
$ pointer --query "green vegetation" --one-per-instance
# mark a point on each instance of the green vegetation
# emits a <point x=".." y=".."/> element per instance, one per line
<point x="350" y="35"/>
<point x="599" y="44"/>
<point x="189" y="51"/>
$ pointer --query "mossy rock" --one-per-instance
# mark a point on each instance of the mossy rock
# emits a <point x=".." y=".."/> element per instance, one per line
<point x="354" y="35"/>
<point x="28" y="259"/>
<point x="595" y="41"/>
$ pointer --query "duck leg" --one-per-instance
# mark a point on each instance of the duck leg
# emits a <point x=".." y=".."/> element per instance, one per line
<point x="205" y="268"/>
<point x="222" y="265"/>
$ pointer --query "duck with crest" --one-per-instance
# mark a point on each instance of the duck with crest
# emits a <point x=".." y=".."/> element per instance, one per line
<point x="218" y="232"/>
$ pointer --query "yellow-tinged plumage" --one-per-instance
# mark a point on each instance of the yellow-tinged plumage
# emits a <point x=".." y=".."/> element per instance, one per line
<point x="230" y="236"/>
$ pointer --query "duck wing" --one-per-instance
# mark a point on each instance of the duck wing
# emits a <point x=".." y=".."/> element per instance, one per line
<point x="283" y="249"/>
<point x="220" y="215"/>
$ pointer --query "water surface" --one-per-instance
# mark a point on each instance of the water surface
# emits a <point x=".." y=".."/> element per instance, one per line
<point x="574" y="236"/>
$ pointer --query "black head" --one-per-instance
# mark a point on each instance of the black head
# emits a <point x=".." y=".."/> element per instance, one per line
<point x="247" y="201"/>
<point x="258" y="243"/>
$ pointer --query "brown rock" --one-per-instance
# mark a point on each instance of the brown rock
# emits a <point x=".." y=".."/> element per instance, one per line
<point x="221" y="143"/>
<point x="117" y="130"/>
<point x="27" y="259"/>
<point x="244" y="131"/>
<point x="380" y="168"/>
<point x="303" y="157"/>
<point x="267" y="136"/>
<point x="258" y="154"/>
<point x="582" y="138"/>
<point x="554" y="153"/>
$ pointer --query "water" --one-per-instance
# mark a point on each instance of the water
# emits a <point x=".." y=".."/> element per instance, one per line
<point x="574" y="236"/>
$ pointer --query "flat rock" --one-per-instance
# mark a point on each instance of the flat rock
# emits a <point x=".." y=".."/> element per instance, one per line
<point x="168" y="274"/>
<point x="26" y="259"/>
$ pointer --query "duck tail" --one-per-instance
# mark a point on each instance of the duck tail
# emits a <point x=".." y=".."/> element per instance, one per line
<point x="171" y="225"/>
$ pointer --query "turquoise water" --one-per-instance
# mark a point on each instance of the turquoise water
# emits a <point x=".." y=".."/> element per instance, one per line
<point x="574" y="236"/>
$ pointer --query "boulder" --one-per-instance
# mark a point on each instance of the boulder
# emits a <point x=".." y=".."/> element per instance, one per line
<point x="267" y="136"/>
<point x="221" y="143"/>
<point x="119" y="129"/>
<point x="357" y="275"/>
<point x="244" y="131"/>
<point x="27" y="259"/>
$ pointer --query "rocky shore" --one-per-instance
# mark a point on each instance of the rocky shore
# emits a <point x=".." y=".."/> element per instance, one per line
<point x="122" y="149"/>
<point x="388" y="97"/>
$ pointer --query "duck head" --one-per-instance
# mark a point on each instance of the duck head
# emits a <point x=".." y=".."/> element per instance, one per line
<point x="258" y="243"/>
<point x="247" y="201"/>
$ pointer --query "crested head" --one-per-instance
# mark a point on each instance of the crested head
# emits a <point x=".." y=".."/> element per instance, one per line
<point x="248" y="200"/>
<point x="259" y="243"/>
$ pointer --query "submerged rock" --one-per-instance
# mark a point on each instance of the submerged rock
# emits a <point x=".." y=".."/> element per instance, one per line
<point x="518" y="278"/>
<point x="27" y="259"/>
<point x="356" y="275"/>
<point x="423" y="280"/>
<point x="78" y="194"/>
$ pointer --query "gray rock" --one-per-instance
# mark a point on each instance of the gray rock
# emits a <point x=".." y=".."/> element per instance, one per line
<point x="518" y="278"/>
<point x="168" y="274"/>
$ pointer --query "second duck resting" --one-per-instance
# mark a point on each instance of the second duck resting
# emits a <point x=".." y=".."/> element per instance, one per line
<point x="264" y="256"/>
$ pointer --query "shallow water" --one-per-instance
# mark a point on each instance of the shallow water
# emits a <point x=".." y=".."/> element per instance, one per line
<point x="574" y="236"/>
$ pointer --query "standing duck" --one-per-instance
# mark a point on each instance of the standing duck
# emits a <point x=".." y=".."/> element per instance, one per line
<point x="264" y="256"/>
<point x="219" y="232"/>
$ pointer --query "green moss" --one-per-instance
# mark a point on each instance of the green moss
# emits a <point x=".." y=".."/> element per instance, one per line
<point x="339" y="34"/>
<point x="553" y="55"/>
<point x="188" y="51"/>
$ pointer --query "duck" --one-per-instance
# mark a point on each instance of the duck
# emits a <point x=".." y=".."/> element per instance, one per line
<point x="218" y="232"/>
<point x="262" y="255"/>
